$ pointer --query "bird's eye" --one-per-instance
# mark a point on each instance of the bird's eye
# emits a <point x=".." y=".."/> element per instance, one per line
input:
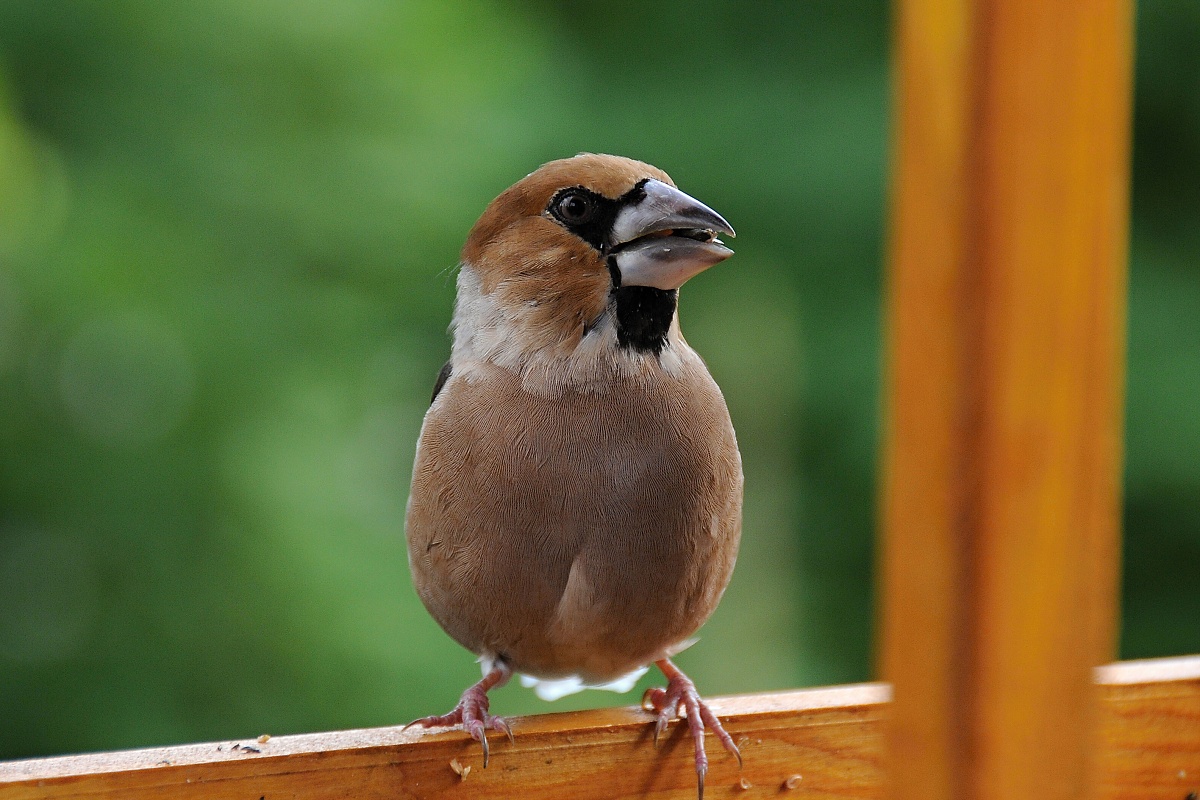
<point x="574" y="207"/>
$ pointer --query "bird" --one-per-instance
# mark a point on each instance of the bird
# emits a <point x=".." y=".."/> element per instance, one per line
<point x="576" y="499"/>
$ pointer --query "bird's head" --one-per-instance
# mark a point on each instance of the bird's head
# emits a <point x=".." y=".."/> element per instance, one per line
<point x="593" y="247"/>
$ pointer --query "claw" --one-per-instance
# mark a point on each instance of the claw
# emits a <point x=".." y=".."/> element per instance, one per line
<point x="681" y="699"/>
<point x="652" y="698"/>
<point x="436" y="721"/>
<point x="659" y="727"/>
<point x="471" y="713"/>
<point x="501" y="724"/>
<point x="482" y="737"/>
<point x="713" y="724"/>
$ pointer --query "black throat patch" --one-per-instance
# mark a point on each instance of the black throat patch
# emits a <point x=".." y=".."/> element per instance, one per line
<point x="644" y="317"/>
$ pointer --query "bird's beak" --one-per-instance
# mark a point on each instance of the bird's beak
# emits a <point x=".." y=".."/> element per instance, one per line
<point x="666" y="237"/>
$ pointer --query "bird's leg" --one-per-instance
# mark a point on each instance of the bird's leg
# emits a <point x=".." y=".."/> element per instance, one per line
<point x="472" y="710"/>
<point x="681" y="692"/>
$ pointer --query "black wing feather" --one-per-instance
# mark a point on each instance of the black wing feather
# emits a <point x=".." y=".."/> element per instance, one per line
<point x="443" y="376"/>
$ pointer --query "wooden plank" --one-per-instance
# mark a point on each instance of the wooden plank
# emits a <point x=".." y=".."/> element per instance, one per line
<point x="832" y="738"/>
<point x="1149" y="731"/>
<point x="826" y="742"/>
<point x="1002" y="455"/>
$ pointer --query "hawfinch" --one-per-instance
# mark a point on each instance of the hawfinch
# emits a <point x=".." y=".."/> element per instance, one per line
<point x="577" y="493"/>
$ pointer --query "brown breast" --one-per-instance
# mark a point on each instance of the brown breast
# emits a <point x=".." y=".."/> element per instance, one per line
<point x="584" y="534"/>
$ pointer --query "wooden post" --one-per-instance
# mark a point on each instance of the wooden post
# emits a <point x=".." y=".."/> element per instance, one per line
<point x="1001" y="486"/>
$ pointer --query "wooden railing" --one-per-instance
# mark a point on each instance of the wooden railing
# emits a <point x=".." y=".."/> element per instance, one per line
<point x="815" y="743"/>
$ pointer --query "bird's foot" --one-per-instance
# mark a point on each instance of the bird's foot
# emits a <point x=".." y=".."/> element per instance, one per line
<point x="681" y="696"/>
<point x="471" y="713"/>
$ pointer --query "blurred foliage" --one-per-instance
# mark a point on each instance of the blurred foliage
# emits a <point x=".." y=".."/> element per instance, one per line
<point x="227" y="239"/>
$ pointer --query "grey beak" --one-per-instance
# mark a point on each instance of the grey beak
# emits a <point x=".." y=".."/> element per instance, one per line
<point x="666" y="238"/>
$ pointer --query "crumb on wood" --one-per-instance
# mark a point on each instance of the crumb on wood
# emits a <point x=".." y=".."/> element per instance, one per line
<point x="266" y="737"/>
<point x="459" y="770"/>
<point x="744" y="784"/>
<point x="793" y="781"/>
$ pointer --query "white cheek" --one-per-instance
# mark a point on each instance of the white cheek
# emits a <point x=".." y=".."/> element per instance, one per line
<point x="482" y="331"/>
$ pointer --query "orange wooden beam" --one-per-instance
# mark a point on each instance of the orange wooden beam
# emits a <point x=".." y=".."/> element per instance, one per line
<point x="816" y="743"/>
<point x="813" y="743"/>
<point x="1002" y="460"/>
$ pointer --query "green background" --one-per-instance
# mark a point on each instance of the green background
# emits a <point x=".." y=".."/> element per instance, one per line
<point x="227" y="239"/>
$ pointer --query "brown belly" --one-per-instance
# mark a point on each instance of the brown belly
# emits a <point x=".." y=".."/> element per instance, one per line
<point x="581" y="535"/>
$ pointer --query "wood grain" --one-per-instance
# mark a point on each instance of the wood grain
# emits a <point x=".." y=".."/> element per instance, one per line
<point x="1002" y="463"/>
<point x="833" y="739"/>
<point x="830" y="738"/>
<point x="1149" y="730"/>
